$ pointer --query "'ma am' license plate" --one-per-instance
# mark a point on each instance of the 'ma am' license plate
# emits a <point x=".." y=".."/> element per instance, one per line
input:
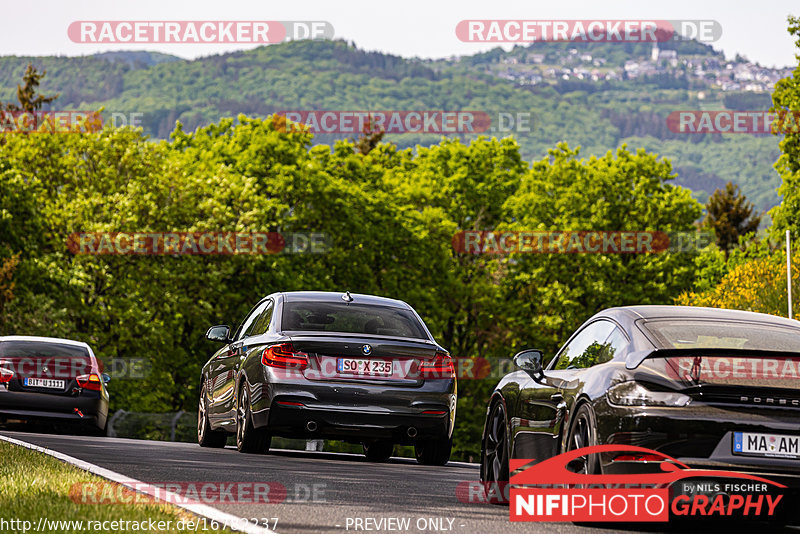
<point x="364" y="367"/>
<point x="775" y="445"/>
<point x="44" y="383"/>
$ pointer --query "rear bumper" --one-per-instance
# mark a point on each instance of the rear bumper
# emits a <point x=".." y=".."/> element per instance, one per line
<point x="354" y="410"/>
<point x="701" y="436"/>
<point x="29" y="405"/>
<point x="357" y="424"/>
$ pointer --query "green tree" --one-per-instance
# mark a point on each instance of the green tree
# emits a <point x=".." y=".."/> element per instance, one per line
<point x="730" y="216"/>
<point x="549" y="295"/>
<point x="27" y="94"/>
<point x="786" y="100"/>
<point x="369" y="138"/>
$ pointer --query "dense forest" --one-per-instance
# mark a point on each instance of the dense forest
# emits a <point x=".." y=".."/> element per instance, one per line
<point x="334" y="75"/>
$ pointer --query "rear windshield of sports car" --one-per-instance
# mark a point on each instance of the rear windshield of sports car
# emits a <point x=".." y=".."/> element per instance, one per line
<point x="351" y="319"/>
<point x="707" y="334"/>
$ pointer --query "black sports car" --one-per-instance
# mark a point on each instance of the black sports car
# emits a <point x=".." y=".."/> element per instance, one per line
<point x="357" y="368"/>
<point x="716" y="389"/>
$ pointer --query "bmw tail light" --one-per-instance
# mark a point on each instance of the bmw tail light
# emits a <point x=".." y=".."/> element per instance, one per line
<point x="91" y="382"/>
<point x="6" y="375"/>
<point x="441" y="366"/>
<point x="283" y="356"/>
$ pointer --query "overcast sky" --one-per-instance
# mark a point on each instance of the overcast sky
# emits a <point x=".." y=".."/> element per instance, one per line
<point x="423" y="28"/>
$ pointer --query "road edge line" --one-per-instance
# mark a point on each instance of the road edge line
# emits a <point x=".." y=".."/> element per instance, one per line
<point x="225" y="519"/>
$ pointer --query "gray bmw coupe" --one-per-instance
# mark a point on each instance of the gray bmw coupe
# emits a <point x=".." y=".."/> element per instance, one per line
<point x="357" y="368"/>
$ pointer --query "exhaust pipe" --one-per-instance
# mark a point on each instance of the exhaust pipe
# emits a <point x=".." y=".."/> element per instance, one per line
<point x="311" y="426"/>
<point x="412" y="432"/>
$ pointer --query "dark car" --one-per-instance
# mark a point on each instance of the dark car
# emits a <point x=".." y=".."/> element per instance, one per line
<point x="716" y="389"/>
<point x="52" y="379"/>
<point x="316" y="365"/>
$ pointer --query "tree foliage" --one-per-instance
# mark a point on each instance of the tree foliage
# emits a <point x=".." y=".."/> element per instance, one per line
<point x="28" y="94"/>
<point x="786" y="98"/>
<point x="730" y="216"/>
<point x="334" y="75"/>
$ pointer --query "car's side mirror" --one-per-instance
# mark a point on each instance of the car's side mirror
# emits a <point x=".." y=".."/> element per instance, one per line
<point x="106" y="378"/>
<point x="219" y="333"/>
<point x="530" y="361"/>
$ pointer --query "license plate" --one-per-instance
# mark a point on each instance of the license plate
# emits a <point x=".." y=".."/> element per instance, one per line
<point x="365" y="367"/>
<point x="44" y="383"/>
<point x="774" y="445"/>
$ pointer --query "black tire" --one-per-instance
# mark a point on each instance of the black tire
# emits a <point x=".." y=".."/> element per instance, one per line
<point x="494" y="456"/>
<point x="583" y="433"/>
<point x="433" y="451"/>
<point x="102" y="432"/>
<point x="206" y="436"/>
<point x="378" y="451"/>
<point x="249" y="439"/>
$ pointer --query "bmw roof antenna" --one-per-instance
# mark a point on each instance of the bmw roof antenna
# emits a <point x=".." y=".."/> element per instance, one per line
<point x="347" y="297"/>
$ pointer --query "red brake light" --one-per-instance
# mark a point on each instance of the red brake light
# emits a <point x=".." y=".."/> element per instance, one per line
<point x="441" y="366"/>
<point x="284" y="357"/>
<point x="6" y="375"/>
<point x="289" y="403"/>
<point x="92" y="382"/>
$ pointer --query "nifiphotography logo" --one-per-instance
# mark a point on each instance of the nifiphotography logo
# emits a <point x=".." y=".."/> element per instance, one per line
<point x="549" y="491"/>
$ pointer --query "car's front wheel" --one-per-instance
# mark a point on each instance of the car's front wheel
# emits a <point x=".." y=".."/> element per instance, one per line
<point x="206" y="436"/>
<point x="433" y="451"/>
<point x="583" y="434"/>
<point x="248" y="438"/>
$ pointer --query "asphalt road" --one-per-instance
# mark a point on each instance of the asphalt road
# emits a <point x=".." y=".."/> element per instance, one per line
<point x="325" y="492"/>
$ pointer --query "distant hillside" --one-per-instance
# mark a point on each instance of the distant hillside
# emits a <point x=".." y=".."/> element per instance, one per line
<point x="138" y="59"/>
<point x="597" y="114"/>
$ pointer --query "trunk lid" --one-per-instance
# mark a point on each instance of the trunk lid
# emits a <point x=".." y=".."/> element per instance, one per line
<point x="364" y="358"/>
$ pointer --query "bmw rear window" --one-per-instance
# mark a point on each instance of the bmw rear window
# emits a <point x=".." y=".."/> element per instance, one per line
<point x="33" y="358"/>
<point x="351" y="319"/>
<point x="707" y="334"/>
<point x="41" y="349"/>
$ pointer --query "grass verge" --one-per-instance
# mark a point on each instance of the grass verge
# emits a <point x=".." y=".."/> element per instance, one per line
<point x="34" y="485"/>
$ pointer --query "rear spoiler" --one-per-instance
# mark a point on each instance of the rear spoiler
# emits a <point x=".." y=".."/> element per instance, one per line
<point x="635" y="359"/>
